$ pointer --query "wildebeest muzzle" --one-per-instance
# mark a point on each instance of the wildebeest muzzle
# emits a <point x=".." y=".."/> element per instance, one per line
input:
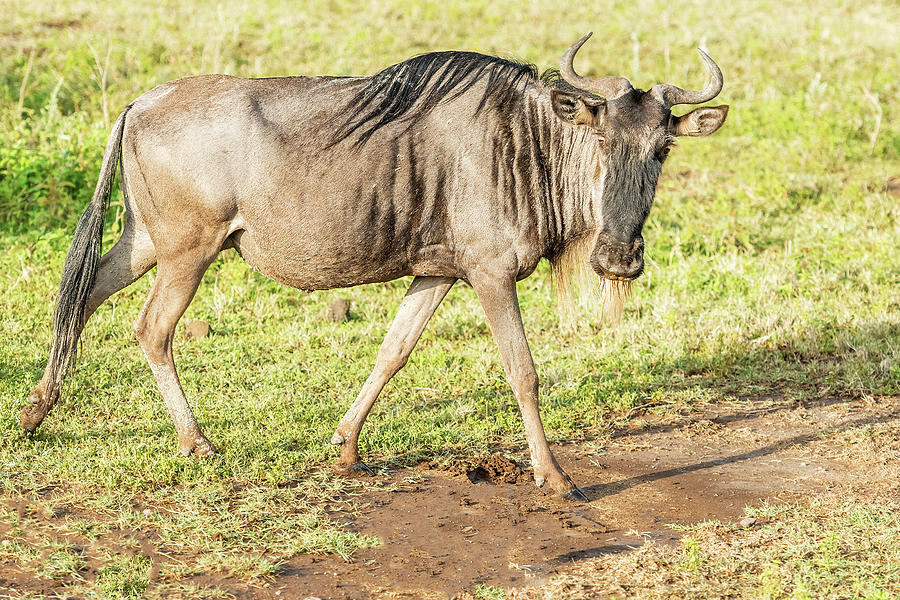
<point x="613" y="259"/>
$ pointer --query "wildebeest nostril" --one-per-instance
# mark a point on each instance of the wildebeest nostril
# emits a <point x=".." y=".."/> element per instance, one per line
<point x="614" y="260"/>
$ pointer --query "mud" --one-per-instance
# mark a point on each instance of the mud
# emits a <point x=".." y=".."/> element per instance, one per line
<point x="447" y="528"/>
<point x="495" y="468"/>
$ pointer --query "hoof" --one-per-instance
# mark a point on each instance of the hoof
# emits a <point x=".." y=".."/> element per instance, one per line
<point x="33" y="413"/>
<point x="560" y="486"/>
<point x="30" y="418"/>
<point x="357" y="469"/>
<point x="205" y="448"/>
<point x="573" y="495"/>
<point x="200" y="446"/>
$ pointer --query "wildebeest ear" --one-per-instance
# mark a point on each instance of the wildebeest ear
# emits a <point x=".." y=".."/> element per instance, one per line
<point x="578" y="109"/>
<point x="700" y="121"/>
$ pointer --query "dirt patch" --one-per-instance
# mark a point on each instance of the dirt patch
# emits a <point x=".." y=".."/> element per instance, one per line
<point x="491" y="469"/>
<point x="447" y="528"/>
<point x="197" y="329"/>
<point x="339" y="311"/>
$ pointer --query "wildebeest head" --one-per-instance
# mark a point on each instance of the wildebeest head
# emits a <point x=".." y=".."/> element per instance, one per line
<point x="634" y="131"/>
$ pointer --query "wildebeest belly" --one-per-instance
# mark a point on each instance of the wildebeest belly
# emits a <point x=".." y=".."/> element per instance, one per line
<point x="314" y="262"/>
<point x="313" y="252"/>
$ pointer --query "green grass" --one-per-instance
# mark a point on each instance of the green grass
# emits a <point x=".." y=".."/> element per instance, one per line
<point x="487" y="592"/>
<point x="124" y="577"/>
<point x="771" y="265"/>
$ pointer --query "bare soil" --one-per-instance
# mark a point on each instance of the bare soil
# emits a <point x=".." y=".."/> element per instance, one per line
<point x="445" y="529"/>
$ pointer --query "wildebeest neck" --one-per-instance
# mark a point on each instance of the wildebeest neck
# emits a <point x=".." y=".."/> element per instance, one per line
<point x="571" y="160"/>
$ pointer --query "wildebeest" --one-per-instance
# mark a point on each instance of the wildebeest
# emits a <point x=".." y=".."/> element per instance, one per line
<point x="447" y="166"/>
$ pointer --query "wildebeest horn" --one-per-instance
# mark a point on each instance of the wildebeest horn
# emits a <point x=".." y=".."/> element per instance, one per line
<point x="608" y="87"/>
<point x="671" y="95"/>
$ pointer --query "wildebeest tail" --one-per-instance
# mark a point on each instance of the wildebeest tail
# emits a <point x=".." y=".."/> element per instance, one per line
<point x="80" y="268"/>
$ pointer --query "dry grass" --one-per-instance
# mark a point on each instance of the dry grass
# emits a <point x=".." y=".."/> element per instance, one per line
<point x="826" y="548"/>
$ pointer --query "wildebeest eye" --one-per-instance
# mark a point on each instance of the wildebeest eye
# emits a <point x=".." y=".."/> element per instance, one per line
<point x="663" y="153"/>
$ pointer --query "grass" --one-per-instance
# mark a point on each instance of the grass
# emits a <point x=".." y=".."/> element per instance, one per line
<point x="124" y="577"/>
<point x="826" y="548"/>
<point x="771" y="271"/>
<point x="487" y="592"/>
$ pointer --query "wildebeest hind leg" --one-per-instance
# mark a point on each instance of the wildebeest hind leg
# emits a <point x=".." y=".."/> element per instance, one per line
<point x="176" y="283"/>
<point x="130" y="258"/>
<point x="501" y="306"/>
<point x="421" y="300"/>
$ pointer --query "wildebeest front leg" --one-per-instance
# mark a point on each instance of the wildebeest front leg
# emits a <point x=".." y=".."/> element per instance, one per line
<point x="501" y="306"/>
<point x="421" y="300"/>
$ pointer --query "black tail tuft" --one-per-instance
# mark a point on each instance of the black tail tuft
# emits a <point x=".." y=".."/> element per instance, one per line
<point x="80" y="268"/>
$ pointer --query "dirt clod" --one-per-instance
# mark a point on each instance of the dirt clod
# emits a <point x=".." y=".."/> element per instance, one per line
<point x="339" y="311"/>
<point x="893" y="185"/>
<point x="198" y="329"/>
<point x="748" y="522"/>
<point x="493" y="469"/>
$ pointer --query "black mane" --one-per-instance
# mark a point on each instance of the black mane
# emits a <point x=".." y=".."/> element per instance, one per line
<point x="423" y="82"/>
